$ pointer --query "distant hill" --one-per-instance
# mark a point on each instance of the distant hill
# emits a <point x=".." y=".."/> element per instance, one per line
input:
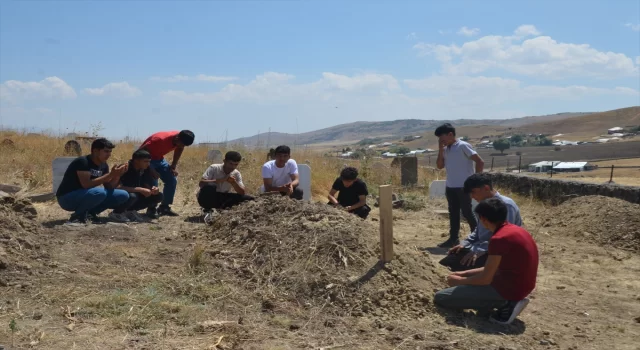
<point x="584" y="122"/>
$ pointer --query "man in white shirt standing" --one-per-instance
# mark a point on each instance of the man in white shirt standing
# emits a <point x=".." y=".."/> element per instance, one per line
<point x="217" y="182"/>
<point x="457" y="157"/>
<point x="281" y="174"/>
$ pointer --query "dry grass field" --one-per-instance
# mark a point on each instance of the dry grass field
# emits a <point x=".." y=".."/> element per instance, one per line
<point x="278" y="275"/>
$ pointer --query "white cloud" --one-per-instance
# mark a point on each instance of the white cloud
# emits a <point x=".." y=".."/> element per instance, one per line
<point x="539" y="56"/>
<point x="15" y="91"/>
<point x="199" y="77"/>
<point x="412" y="36"/>
<point x="121" y="89"/>
<point x="468" y="31"/>
<point x="633" y="26"/>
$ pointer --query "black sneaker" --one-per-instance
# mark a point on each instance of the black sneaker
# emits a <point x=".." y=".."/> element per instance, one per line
<point x="449" y="243"/>
<point x="509" y="312"/>
<point x="152" y="213"/>
<point x="166" y="211"/>
<point x="76" y="220"/>
<point x="94" y="218"/>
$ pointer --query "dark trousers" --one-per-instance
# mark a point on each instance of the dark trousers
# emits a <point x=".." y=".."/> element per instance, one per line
<point x="137" y="201"/>
<point x="362" y="212"/>
<point x="297" y="193"/>
<point x="459" y="201"/>
<point x="209" y="198"/>
<point x="452" y="261"/>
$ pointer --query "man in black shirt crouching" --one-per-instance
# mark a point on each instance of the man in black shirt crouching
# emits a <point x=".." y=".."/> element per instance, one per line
<point x="138" y="181"/>
<point x="352" y="194"/>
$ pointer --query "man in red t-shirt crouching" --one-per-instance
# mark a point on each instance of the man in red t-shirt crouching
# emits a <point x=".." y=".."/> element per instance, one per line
<point x="508" y="276"/>
<point x="159" y="145"/>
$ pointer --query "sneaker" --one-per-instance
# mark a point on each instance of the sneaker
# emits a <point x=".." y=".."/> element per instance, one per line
<point x="94" y="218"/>
<point x="133" y="216"/>
<point x="449" y="243"/>
<point x="76" y="220"/>
<point x="152" y="213"/>
<point x="166" y="211"/>
<point x="508" y="314"/>
<point x="209" y="216"/>
<point x="118" y="217"/>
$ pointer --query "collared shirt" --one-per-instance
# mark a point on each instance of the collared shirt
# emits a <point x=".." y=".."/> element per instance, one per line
<point x="458" y="163"/>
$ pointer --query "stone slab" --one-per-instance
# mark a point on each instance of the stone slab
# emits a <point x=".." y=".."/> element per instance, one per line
<point x="59" y="166"/>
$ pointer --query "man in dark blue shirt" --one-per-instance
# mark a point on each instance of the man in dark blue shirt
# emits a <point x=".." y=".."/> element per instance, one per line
<point x="138" y="182"/>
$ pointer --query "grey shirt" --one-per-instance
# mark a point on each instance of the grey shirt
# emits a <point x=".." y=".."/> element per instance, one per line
<point x="478" y="240"/>
<point x="458" y="163"/>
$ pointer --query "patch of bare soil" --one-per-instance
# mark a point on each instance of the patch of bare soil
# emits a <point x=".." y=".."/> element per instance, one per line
<point x="606" y="220"/>
<point x="310" y="254"/>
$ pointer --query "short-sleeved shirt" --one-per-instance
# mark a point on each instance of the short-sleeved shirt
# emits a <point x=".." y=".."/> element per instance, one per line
<point x="160" y="143"/>
<point x="137" y="178"/>
<point x="518" y="269"/>
<point x="279" y="176"/>
<point x="71" y="181"/>
<point x="216" y="172"/>
<point x="350" y="195"/>
<point x="478" y="240"/>
<point x="458" y="163"/>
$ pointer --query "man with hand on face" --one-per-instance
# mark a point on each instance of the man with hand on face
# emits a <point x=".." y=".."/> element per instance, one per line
<point x="138" y="181"/>
<point x="508" y="276"/>
<point x="80" y="190"/>
<point x="352" y="194"/>
<point x="471" y="253"/>
<point x="216" y="183"/>
<point x="281" y="175"/>
<point x="457" y="157"/>
<point x="159" y="145"/>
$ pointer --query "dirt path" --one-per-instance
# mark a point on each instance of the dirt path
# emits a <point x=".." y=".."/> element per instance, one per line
<point x="150" y="286"/>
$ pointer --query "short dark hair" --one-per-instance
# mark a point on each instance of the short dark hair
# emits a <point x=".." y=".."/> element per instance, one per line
<point x="476" y="181"/>
<point x="233" y="156"/>
<point x="445" y="129"/>
<point x="492" y="209"/>
<point x="283" y="150"/>
<point x="349" y="173"/>
<point x="102" y="143"/>
<point x="141" y="154"/>
<point x="186" y="137"/>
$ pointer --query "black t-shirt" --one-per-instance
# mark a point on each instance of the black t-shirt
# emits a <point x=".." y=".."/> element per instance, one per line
<point x="71" y="182"/>
<point x="136" y="178"/>
<point x="350" y="195"/>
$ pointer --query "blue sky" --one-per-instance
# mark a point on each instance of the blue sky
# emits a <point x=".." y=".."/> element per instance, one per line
<point x="242" y="67"/>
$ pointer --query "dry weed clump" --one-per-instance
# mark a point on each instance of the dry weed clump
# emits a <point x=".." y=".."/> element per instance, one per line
<point x="605" y="220"/>
<point x="312" y="255"/>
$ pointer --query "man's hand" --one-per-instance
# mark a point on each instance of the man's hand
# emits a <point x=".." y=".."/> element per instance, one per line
<point x="454" y="280"/>
<point x="470" y="258"/>
<point x="155" y="190"/>
<point x="441" y="145"/>
<point x="231" y="180"/>
<point x="455" y="249"/>
<point x="289" y="187"/>
<point x="348" y="208"/>
<point x="145" y="192"/>
<point x="118" y="170"/>
<point x="174" y="171"/>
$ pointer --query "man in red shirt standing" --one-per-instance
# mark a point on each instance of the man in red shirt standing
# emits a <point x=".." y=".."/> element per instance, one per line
<point x="508" y="276"/>
<point x="158" y="145"/>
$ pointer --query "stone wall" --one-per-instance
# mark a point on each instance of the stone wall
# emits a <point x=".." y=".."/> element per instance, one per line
<point x="557" y="191"/>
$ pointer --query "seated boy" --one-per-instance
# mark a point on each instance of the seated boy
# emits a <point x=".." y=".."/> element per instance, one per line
<point x="471" y="253"/>
<point x="281" y="174"/>
<point x="216" y="183"/>
<point x="80" y="190"/>
<point x="506" y="279"/>
<point x="138" y="181"/>
<point x="352" y="194"/>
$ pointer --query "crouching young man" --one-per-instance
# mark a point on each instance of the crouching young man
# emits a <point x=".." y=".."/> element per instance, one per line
<point x="80" y="190"/>
<point x="352" y="193"/>
<point x="138" y="182"/>
<point x="281" y="174"/>
<point x="216" y="183"/>
<point x="508" y="276"/>
<point x="471" y="253"/>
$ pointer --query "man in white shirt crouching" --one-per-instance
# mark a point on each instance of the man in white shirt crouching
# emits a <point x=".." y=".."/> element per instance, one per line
<point x="281" y="174"/>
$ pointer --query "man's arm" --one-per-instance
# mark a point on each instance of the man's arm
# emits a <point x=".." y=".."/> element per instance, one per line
<point x="479" y="162"/>
<point x="361" y="203"/>
<point x="115" y="178"/>
<point x="295" y="179"/>
<point x="177" y="153"/>
<point x="237" y="184"/>
<point x="440" y="161"/>
<point x="269" y="188"/>
<point x="87" y="182"/>
<point x="481" y="278"/>
<point x="332" y="196"/>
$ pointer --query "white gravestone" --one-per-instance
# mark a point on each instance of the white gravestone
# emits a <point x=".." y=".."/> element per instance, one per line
<point x="214" y="156"/>
<point x="438" y="189"/>
<point x="59" y="166"/>
<point x="304" y="179"/>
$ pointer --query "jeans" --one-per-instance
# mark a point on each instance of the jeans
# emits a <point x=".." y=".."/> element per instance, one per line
<point x="210" y="198"/>
<point x="459" y="201"/>
<point x="362" y="212"/>
<point x="166" y="175"/>
<point x="92" y="200"/>
<point x="137" y="201"/>
<point x="452" y="261"/>
<point x="484" y="298"/>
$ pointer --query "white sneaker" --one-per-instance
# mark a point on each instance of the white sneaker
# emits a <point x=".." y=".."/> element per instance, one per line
<point x="209" y="216"/>
<point x="118" y="217"/>
<point x="134" y="216"/>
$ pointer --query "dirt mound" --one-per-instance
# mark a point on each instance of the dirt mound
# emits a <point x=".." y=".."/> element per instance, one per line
<point x="313" y="255"/>
<point x="19" y="248"/>
<point x="606" y="220"/>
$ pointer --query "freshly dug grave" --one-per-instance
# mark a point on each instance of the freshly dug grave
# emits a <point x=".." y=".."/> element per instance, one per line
<point x="604" y="220"/>
<point x="19" y="247"/>
<point x="312" y="255"/>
